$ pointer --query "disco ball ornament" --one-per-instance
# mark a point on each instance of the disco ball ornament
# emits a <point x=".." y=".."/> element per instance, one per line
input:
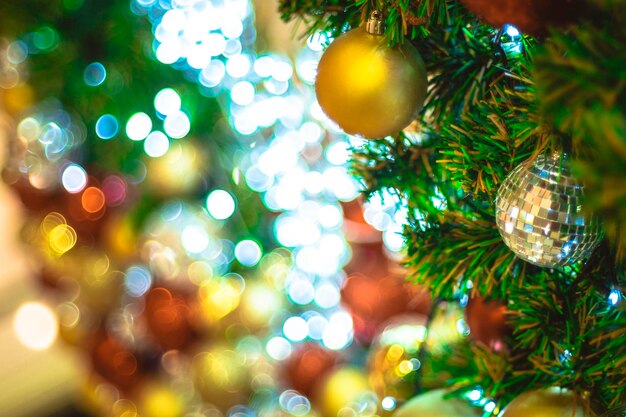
<point x="551" y="402"/>
<point x="367" y="87"/>
<point x="540" y="216"/>
<point x="433" y="404"/>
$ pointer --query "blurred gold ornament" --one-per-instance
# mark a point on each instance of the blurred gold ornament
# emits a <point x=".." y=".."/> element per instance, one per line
<point x="393" y="359"/>
<point x="260" y="302"/>
<point x="18" y="99"/>
<point x="447" y="342"/>
<point x="221" y="376"/>
<point x="218" y="297"/>
<point x="177" y="172"/>
<point x="156" y="399"/>
<point x="433" y="404"/>
<point x="120" y="238"/>
<point x="76" y="325"/>
<point x="367" y="87"/>
<point x="97" y="396"/>
<point x="341" y="388"/>
<point x="551" y="402"/>
<point x="447" y="327"/>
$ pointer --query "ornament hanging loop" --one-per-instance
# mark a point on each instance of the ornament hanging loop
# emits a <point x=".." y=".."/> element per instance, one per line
<point x="374" y="24"/>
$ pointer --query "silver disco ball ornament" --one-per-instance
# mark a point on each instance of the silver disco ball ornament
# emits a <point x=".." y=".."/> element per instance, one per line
<point x="539" y="213"/>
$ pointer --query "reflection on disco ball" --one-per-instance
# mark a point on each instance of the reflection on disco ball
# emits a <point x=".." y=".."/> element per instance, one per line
<point x="540" y="215"/>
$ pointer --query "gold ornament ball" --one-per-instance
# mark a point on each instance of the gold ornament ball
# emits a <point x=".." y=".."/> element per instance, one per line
<point x="177" y="172"/>
<point x="341" y="388"/>
<point x="393" y="361"/>
<point x="368" y="88"/>
<point x="157" y="399"/>
<point x="222" y="376"/>
<point x="433" y="404"/>
<point x="551" y="402"/>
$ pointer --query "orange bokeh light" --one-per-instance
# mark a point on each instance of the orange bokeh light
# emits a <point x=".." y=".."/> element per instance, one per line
<point x="93" y="200"/>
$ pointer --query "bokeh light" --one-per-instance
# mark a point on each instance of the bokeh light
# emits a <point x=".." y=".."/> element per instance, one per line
<point x="177" y="125"/>
<point x="107" y="126"/>
<point x="295" y="329"/>
<point x="220" y="204"/>
<point x="35" y="326"/>
<point x="167" y="101"/>
<point x="74" y="178"/>
<point x="93" y="200"/>
<point x="138" y="126"/>
<point x="156" y="144"/>
<point x="94" y="74"/>
<point x="278" y="348"/>
<point x="138" y="280"/>
<point x="248" y="252"/>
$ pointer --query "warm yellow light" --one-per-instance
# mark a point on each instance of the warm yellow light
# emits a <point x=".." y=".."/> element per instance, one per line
<point x="62" y="238"/>
<point x="218" y="298"/>
<point x="35" y="326"/>
<point x="158" y="400"/>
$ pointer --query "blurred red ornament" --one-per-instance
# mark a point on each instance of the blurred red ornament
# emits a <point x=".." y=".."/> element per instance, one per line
<point x="375" y="290"/>
<point x="115" y="362"/>
<point x="369" y="259"/>
<point x="357" y="230"/>
<point x="487" y="321"/>
<point x="307" y="366"/>
<point x="169" y="318"/>
<point x="533" y="17"/>
<point x="374" y="300"/>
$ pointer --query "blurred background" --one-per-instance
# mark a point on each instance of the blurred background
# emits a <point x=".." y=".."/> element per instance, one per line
<point x="180" y="233"/>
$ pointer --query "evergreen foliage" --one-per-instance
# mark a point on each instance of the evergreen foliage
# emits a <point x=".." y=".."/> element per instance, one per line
<point x="489" y="109"/>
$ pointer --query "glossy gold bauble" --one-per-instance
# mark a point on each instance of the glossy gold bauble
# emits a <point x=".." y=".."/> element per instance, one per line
<point x="433" y="404"/>
<point x="551" y="402"/>
<point x="368" y="88"/>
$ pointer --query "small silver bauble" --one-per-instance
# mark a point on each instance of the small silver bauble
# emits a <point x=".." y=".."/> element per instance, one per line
<point x="539" y="213"/>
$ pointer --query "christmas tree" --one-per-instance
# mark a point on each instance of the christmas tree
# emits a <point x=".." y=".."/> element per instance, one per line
<point x="524" y="108"/>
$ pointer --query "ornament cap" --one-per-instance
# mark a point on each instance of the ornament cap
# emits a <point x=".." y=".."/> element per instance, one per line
<point x="374" y="24"/>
